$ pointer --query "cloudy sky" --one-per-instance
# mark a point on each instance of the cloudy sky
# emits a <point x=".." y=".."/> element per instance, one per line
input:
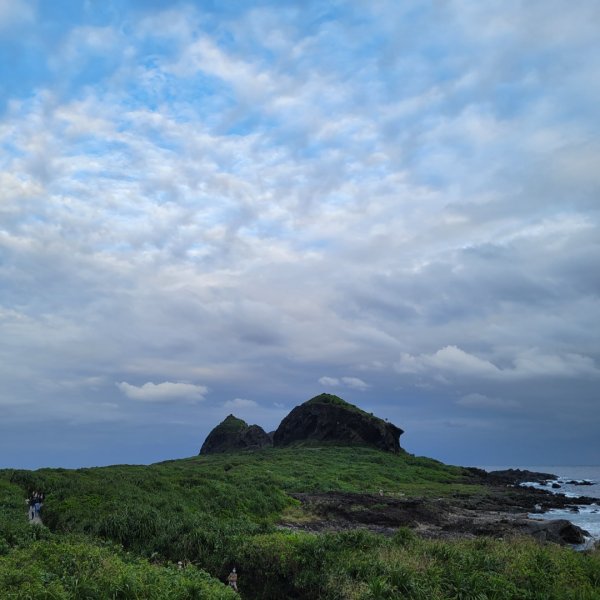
<point x="213" y="207"/>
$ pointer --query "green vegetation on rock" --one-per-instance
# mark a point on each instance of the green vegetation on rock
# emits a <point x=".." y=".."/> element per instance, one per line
<point x="232" y="423"/>
<point x="327" y="418"/>
<point x="336" y="400"/>
<point x="233" y="435"/>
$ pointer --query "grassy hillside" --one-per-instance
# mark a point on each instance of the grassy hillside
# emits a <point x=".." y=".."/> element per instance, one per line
<point x="133" y="523"/>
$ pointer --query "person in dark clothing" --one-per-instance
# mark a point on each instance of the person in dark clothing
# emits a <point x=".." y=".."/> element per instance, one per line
<point x="35" y="504"/>
<point x="31" y="503"/>
<point x="39" y="503"/>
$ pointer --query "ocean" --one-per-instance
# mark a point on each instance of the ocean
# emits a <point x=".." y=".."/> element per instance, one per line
<point x="585" y="516"/>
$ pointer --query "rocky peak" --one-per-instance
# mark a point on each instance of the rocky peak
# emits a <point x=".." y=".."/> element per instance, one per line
<point x="235" y="434"/>
<point x="328" y="418"/>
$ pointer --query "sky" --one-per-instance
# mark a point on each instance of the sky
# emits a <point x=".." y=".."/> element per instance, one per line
<point x="230" y="207"/>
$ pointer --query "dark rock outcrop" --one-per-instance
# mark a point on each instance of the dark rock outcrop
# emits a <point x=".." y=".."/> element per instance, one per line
<point x="516" y="476"/>
<point x="559" y="531"/>
<point x="437" y="518"/>
<point x="233" y="434"/>
<point x="510" y="476"/>
<point x="328" y="418"/>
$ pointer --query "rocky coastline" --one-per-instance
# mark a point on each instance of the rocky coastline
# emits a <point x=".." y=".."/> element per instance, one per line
<point x="504" y="507"/>
<point x="502" y="510"/>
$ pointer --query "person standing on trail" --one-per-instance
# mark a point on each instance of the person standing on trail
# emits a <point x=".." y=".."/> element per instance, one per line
<point x="40" y="502"/>
<point x="31" y="502"/>
<point x="36" y="501"/>
<point x="232" y="579"/>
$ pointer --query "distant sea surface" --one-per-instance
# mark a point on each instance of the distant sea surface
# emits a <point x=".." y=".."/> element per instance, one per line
<point x="588" y="516"/>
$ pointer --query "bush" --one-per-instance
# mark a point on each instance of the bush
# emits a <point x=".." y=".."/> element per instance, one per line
<point x="77" y="569"/>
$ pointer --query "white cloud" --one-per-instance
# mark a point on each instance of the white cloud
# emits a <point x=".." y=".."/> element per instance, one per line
<point x="166" y="391"/>
<point x="329" y="381"/>
<point x="355" y="383"/>
<point x="452" y="361"/>
<point x="15" y="12"/>
<point x="240" y="403"/>
<point x="449" y="358"/>
<point x="476" y="400"/>
<point x="533" y="363"/>
<point x="350" y="382"/>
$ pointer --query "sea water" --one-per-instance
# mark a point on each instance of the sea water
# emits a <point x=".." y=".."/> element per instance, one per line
<point x="583" y="515"/>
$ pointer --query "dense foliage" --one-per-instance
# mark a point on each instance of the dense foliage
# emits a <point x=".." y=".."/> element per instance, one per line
<point x="118" y="532"/>
<point x="65" y="568"/>
<point x="36" y="563"/>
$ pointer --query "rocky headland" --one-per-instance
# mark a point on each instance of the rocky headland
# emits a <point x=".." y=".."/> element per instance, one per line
<point x="501" y="509"/>
<point x="323" y="419"/>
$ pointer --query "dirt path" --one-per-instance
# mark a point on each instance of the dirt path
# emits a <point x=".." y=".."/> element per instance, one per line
<point x="35" y="520"/>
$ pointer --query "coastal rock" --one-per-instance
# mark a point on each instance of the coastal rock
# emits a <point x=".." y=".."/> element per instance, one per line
<point x="234" y="434"/>
<point x="510" y="476"/>
<point x="516" y="476"/>
<point x="559" y="531"/>
<point x="434" y="518"/>
<point x="328" y="418"/>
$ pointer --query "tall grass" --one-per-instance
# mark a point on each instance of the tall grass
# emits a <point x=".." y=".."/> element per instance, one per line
<point x="66" y="568"/>
<point x="215" y="512"/>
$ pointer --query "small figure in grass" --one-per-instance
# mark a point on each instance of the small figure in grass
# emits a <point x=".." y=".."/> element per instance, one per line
<point x="232" y="579"/>
<point x="38" y="500"/>
<point x="34" y="505"/>
<point x="31" y="503"/>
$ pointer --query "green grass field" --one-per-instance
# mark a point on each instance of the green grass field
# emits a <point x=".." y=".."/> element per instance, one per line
<point x="119" y="531"/>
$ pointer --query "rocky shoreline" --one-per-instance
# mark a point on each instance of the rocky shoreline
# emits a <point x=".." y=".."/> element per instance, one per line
<point x="501" y="511"/>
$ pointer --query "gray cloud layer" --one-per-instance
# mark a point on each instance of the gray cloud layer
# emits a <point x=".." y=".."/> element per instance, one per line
<point x="412" y="223"/>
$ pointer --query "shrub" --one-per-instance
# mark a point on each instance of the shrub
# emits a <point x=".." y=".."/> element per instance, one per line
<point x="78" y="569"/>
